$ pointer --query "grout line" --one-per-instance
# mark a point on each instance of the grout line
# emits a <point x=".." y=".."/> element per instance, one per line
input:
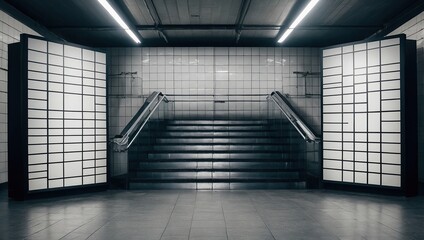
<point x="192" y="216"/>
<point x="169" y="219"/>
<point x="258" y="213"/>
<point x="44" y="228"/>
<point x="83" y="224"/>
<point x="106" y="222"/>
<point x="225" y="221"/>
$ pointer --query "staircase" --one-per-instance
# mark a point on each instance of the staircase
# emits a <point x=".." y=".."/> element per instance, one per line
<point x="212" y="154"/>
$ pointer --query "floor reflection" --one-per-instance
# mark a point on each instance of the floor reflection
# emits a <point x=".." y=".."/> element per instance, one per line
<point x="254" y="214"/>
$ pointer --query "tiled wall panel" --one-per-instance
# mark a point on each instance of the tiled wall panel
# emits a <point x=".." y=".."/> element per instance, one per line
<point x="213" y="71"/>
<point x="198" y="71"/>
<point x="67" y="135"/>
<point x="10" y="29"/>
<point x="362" y="113"/>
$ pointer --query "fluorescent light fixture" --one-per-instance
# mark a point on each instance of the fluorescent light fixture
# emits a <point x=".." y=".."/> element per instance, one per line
<point x="119" y="20"/>
<point x="299" y="18"/>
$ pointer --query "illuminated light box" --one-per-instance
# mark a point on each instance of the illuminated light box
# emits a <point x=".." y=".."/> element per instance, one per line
<point x="57" y="117"/>
<point x="370" y="116"/>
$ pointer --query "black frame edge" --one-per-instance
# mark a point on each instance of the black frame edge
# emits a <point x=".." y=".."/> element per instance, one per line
<point x="68" y="191"/>
<point x="4" y="186"/>
<point x="16" y="155"/>
<point x="410" y="114"/>
<point x="362" y="188"/>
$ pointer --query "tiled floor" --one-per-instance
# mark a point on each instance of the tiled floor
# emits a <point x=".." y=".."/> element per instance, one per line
<point x="254" y="214"/>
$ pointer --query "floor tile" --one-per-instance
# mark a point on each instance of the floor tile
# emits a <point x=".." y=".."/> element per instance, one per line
<point x="214" y="215"/>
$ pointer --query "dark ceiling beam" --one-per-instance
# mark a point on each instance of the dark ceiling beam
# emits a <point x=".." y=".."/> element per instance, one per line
<point x="398" y="21"/>
<point x="156" y="19"/>
<point x="217" y="27"/>
<point x="244" y="8"/>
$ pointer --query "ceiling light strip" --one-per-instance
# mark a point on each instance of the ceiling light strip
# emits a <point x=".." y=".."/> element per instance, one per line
<point x="119" y="20"/>
<point x="299" y="18"/>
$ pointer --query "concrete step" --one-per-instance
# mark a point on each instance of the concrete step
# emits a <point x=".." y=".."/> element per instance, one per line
<point x="215" y="165"/>
<point x="208" y="184"/>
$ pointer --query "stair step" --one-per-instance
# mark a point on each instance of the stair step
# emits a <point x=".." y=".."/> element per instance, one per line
<point x="221" y="140"/>
<point x="215" y="151"/>
<point x="217" y="175"/>
<point x="219" y="147"/>
<point x="217" y="155"/>
<point x="215" y="134"/>
<point x="215" y="166"/>
<point x="216" y="185"/>
<point x="211" y="152"/>
<point x="194" y="160"/>
<point x="216" y="128"/>
<point x="217" y="122"/>
<point x="213" y="170"/>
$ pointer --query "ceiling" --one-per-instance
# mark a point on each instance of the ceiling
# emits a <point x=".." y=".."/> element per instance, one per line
<point x="214" y="22"/>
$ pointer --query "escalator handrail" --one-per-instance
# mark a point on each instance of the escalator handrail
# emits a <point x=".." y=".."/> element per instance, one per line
<point x="122" y="141"/>
<point x="287" y="109"/>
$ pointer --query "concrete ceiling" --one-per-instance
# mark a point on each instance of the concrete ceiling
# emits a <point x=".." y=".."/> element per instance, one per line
<point x="214" y="22"/>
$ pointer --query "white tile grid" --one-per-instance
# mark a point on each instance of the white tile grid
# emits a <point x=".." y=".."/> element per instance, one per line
<point x="206" y="70"/>
<point x="365" y="77"/>
<point x="67" y="125"/>
<point x="10" y="29"/>
<point x="212" y="71"/>
<point x="414" y="30"/>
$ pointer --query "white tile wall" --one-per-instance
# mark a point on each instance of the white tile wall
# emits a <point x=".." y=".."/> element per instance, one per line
<point x="203" y="71"/>
<point x="66" y="115"/>
<point x="414" y="30"/>
<point x="361" y="113"/>
<point x="10" y="29"/>
<point x="207" y="71"/>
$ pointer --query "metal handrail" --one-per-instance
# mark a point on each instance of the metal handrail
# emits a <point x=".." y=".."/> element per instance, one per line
<point x="124" y="140"/>
<point x="287" y="109"/>
<point x="131" y="131"/>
